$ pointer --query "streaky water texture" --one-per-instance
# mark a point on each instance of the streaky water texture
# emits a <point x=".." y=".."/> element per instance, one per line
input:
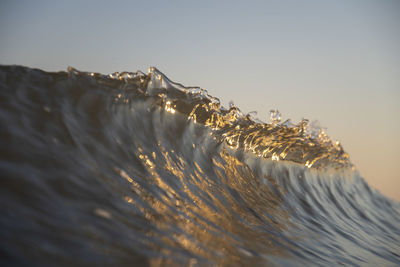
<point x="133" y="169"/>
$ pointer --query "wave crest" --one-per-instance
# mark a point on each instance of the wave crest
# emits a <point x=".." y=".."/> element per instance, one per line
<point x="303" y="143"/>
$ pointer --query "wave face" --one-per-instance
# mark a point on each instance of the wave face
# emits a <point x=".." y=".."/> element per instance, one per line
<point x="133" y="169"/>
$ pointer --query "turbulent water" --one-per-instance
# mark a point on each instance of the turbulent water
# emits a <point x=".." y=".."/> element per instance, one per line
<point x="133" y="169"/>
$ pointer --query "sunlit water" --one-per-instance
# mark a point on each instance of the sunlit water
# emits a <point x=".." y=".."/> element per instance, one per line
<point x="133" y="169"/>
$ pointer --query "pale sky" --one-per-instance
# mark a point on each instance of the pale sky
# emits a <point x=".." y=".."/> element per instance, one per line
<point x="337" y="62"/>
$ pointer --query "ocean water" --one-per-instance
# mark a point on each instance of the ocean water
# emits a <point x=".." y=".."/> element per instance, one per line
<point x="132" y="169"/>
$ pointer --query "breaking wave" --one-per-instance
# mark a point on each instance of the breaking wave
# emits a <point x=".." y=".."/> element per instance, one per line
<point x="132" y="168"/>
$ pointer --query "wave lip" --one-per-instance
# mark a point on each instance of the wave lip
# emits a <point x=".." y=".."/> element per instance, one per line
<point x="302" y="143"/>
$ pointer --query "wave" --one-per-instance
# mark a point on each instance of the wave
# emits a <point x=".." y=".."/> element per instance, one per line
<point x="132" y="168"/>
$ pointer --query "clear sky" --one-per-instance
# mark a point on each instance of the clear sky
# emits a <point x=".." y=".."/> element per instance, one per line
<point x="333" y="61"/>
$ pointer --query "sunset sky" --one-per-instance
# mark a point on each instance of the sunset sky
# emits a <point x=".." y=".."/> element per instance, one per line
<point x="337" y="62"/>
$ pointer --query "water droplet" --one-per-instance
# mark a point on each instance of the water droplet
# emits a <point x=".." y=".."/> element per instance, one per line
<point x="275" y="117"/>
<point x="102" y="213"/>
